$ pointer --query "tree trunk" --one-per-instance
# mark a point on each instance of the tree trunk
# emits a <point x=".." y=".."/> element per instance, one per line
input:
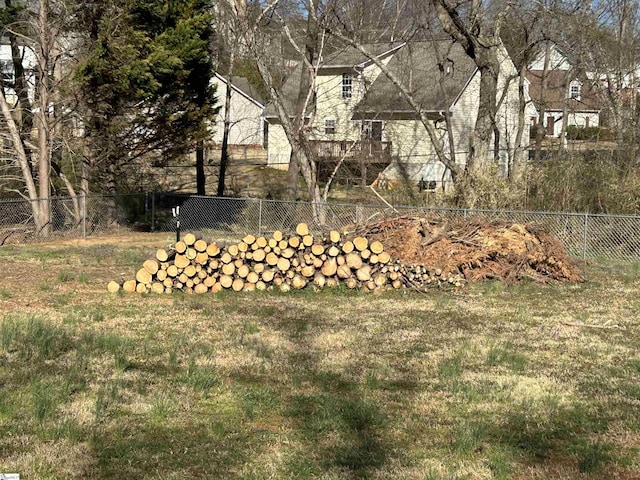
<point x="43" y="51"/>
<point x="515" y="161"/>
<point x="540" y="129"/>
<point x="22" y="92"/>
<point x="224" y="153"/>
<point x="293" y="175"/>
<point x="201" y="179"/>
<point x="23" y="160"/>
<point x="482" y="135"/>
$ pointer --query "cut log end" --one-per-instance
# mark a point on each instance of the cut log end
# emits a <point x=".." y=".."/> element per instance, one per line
<point x="302" y="229"/>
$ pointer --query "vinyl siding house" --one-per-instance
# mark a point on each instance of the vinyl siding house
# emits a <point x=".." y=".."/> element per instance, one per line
<point x="246" y="113"/>
<point x="560" y="91"/>
<point x="29" y="64"/>
<point x="360" y="115"/>
<point x="340" y="85"/>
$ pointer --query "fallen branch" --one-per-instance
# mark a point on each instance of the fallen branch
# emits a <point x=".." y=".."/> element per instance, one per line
<point x="385" y="202"/>
<point x="604" y="326"/>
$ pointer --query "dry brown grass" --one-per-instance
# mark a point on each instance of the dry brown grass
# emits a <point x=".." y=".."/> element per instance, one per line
<point x="491" y="382"/>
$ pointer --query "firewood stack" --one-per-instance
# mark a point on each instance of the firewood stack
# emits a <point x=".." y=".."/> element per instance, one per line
<point x="194" y="265"/>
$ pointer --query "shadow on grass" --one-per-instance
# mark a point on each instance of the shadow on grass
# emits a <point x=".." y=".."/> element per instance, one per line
<point x="565" y="431"/>
<point x="339" y="424"/>
<point x="144" y="450"/>
<point x="346" y="431"/>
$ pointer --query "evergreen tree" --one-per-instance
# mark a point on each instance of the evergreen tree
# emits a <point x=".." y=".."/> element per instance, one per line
<point x="145" y="82"/>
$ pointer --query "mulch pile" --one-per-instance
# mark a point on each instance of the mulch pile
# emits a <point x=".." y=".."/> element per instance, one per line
<point x="475" y="248"/>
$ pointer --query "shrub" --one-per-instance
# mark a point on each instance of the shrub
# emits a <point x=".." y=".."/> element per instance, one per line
<point x="575" y="132"/>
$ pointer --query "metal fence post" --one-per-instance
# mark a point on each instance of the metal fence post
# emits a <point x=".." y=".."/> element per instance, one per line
<point x="259" y="217"/>
<point x="84" y="216"/>
<point x="153" y="211"/>
<point x="584" y="237"/>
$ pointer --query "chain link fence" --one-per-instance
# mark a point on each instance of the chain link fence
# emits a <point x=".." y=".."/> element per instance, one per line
<point x="587" y="236"/>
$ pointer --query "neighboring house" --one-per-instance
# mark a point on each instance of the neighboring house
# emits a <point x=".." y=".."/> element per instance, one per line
<point x="246" y="113"/>
<point x="564" y="95"/>
<point x="8" y="75"/>
<point x="359" y="115"/>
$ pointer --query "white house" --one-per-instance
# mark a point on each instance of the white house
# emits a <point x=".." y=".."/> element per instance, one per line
<point x="8" y="74"/>
<point x="559" y="90"/>
<point x="359" y="115"/>
<point x="246" y="113"/>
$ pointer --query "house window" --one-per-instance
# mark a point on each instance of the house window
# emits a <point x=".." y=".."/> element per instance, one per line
<point x="372" y="130"/>
<point x="574" y="90"/>
<point x="347" y="85"/>
<point x="7" y="71"/>
<point x="446" y="67"/>
<point x="329" y="126"/>
<point x="586" y="122"/>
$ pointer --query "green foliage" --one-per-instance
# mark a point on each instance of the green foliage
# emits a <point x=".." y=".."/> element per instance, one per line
<point x="595" y="134"/>
<point x="146" y="79"/>
<point x="9" y="15"/>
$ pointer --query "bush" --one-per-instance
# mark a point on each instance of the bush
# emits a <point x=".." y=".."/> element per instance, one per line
<point x="596" y="134"/>
<point x="589" y="181"/>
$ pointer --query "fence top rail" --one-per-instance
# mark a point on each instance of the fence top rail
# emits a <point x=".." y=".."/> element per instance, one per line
<point x="63" y="198"/>
<point x="412" y="207"/>
<point x="469" y="211"/>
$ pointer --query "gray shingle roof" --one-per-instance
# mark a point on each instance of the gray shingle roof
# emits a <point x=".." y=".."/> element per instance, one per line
<point x="351" y="56"/>
<point x="348" y="57"/>
<point x="435" y="85"/>
<point x="289" y="92"/>
<point x="416" y="64"/>
<point x="241" y="83"/>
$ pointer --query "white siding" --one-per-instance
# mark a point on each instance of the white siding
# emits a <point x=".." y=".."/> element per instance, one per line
<point x="463" y="118"/>
<point x="557" y="61"/>
<point x="279" y="151"/>
<point x="331" y="105"/>
<point x="508" y="112"/>
<point x="245" y="116"/>
<point x="29" y="64"/>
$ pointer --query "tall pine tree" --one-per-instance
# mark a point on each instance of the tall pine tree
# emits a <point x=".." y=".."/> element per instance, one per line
<point x="145" y="83"/>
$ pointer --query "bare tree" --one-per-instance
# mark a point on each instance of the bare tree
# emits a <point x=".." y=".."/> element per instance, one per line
<point x="293" y="118"/>
<point x="38" y="33"/>
<point x="482" y="43"/>
<point x="608" y="40"/>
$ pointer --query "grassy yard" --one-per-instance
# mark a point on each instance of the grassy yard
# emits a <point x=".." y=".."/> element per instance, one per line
<point x="491" y="382"/>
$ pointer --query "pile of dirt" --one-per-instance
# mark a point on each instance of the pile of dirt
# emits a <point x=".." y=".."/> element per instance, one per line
<point x="477" y="249"/>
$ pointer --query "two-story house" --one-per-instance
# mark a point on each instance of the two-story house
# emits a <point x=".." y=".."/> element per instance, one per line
<point x="561" y="94"/>
<point x="359" y="116"/>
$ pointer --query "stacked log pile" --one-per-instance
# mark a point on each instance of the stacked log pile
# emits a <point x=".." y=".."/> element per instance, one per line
<point x="194" y="265"/>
